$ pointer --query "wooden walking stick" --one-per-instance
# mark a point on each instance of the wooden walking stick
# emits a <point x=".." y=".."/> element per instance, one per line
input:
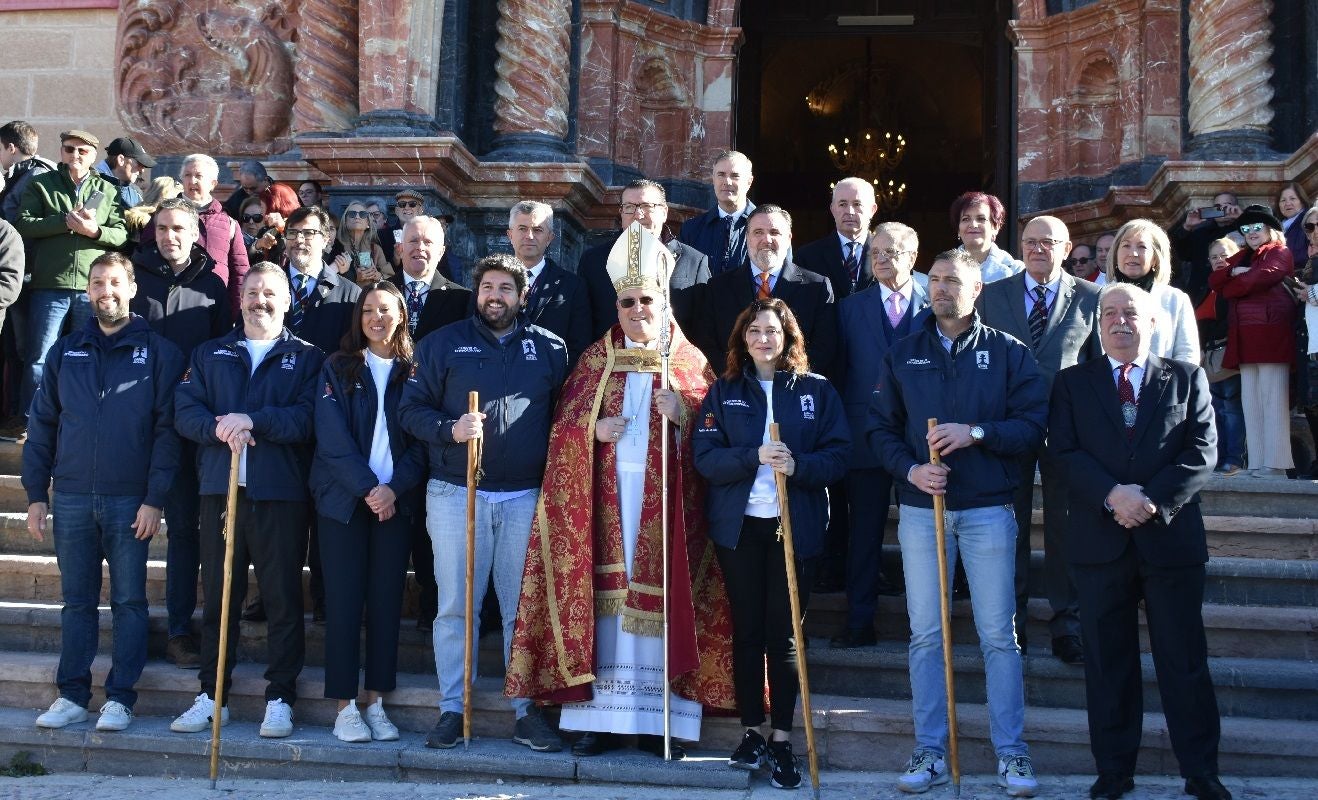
<point x="789" y="555"/>
<point x="230" y="522"/>
<point x="940" y="539"/>
<point x="473" y="470"/>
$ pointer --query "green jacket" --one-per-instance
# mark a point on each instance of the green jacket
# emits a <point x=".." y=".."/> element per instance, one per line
<point x="63" y="258"/>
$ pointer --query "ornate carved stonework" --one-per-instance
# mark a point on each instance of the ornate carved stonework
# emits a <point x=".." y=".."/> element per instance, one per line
<point x="534" y="47"/>
<point x="215" y="77"/>
<point x="326" y="89"/>
<point x="1230" y="65"/>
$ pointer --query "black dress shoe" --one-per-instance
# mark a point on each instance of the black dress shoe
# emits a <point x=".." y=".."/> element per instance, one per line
<point x="863" y="637"/>
<point x="648" y="743"/>
<point x="1207" y="787"/>
<point x="254" y="612"/>
<point x="888" y="589"/>
<point x="1110" y="786"/>
<point x="593" y="744"/>
<point x="318" y="615"/>
<point x="1069" y="649"/>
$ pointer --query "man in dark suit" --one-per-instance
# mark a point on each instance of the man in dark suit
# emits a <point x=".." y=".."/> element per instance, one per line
<point x="1056" y="317"/>
<point x="720" y="232"/>
<point x="433" y="300"/>
<point x="1138" y="432"/>
<point x="769" y="273"/>
<point x="869" y="322"/>
<point x="843" y="255"/>
<point x="645" y="202"/>
<point x="556" y="299"/>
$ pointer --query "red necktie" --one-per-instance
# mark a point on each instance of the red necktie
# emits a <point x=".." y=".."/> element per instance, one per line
<point x="1126" y="396"/>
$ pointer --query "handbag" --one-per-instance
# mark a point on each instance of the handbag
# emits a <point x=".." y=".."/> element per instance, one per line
<point x="1211" y="358"/>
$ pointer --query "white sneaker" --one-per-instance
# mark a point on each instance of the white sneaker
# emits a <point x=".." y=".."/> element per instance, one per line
<point x="348" y="726"/>
<point x="198" y="718"/>
<point x="62" y="712"/>
<point x="382" y="730"/>
<point x="278" y="721"/>
<point x="925" y="770"/>
<point x="1016" y="775"/>
<point x="115" y="716"/>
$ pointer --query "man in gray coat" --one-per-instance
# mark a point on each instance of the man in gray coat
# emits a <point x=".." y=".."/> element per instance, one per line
<point x="1056" y="315"/>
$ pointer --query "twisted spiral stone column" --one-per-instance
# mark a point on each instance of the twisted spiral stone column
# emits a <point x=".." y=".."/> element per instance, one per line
<point x="1230" y="65"/>
<point x="535" y="43"/>
<point x="325" y="92"/>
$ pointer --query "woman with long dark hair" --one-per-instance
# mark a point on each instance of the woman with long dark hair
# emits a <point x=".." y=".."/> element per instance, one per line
<point x="363" y="479"/>
<point x="1260" y="337"/>
<point x="768" y="380"/>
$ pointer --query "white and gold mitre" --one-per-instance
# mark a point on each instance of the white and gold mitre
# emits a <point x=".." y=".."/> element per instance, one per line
<point x="639" y="260"/>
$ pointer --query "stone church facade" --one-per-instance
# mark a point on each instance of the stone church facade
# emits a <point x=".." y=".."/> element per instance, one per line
<point x="1098" y="110"/>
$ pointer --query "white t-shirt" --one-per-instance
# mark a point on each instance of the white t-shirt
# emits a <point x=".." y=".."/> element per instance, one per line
<point x="763" y="501"/>
<point x="381" y="459"/>
<point x="259" y="349"/>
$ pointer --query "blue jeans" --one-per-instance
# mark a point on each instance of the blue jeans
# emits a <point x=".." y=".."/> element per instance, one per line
<point x="502" y="532"/>
<point x="1230" y="418"/>
<point x="986" y="538"/>
<point x="46" y="314"/>
<point x="183" y="548"/>
<point x="89" y="528"/>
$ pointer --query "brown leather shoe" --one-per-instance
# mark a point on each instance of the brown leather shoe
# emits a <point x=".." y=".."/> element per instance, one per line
<point x="182" y="652"/>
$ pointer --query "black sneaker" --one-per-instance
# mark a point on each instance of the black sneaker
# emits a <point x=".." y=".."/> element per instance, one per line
<point x="783" y="770"/>
<point x="750" y="753"/>
<point x="446" y="732"/>
<point x="534" y="731"/>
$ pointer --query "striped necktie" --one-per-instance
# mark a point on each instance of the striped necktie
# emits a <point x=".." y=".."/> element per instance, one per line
<point x="298" y="311"/>
<point x="1039" y="314"/>
<point x="765" y="291"/>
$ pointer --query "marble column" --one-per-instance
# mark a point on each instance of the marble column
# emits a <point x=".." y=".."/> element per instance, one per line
<point x="532" y="83"/>
<point x="1230" y="111"/>
<point x="325" y="94"/>
<point x="398" y="84"/>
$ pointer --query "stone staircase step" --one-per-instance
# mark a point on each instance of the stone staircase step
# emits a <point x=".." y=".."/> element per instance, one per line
<point x="15" y="539"/>
<point x="851" y="733"/>
<point x="1254" y="687"/>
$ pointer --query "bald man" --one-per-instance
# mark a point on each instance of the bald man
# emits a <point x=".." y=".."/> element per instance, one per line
<point x="843" y="255"/>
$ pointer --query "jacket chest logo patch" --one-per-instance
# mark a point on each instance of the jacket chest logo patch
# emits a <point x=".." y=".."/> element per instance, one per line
<point x="223" y="352"/>
<point x="807" y="406"/>
<point x="736" y="403"/>
<point x="288" y="361"/>
<point x="139" y="355"/>
<point x="709" y="421"/>
<point x="982" y="359"/>
<point x="76" y="354"/>
<point x="528" y="349"/>
<point x="466" y="348"/>
<point x="918" y="362"/>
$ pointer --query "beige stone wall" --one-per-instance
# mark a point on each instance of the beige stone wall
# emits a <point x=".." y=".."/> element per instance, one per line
<point x="57" y="72"/>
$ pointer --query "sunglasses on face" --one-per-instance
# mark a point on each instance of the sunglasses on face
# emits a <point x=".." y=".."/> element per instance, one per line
<point x="407" y="204"/>
<point x="628" y="302"/>
<point x="1081" y="259"/>
<point x="252" y="217"/>
<point x="356" y="214"/>
<point x="1309" y="226"/>
<point x="1253" y="227"/>
<point x="82" y="151"/>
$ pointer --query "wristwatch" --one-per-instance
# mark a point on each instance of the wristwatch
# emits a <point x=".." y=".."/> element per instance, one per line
<point x="976" y="434"/>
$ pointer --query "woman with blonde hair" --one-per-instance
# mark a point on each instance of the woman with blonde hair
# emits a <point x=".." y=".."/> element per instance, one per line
<point x="160" y="189"/>
<point x="1141" y="254"/>
<point x="362" y="260"/>
<point x="1261" y="337"/>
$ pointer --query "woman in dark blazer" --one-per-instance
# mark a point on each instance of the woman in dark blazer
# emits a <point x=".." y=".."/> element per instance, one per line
<point x="363" y="480"/>
<point x="768" y="380"/>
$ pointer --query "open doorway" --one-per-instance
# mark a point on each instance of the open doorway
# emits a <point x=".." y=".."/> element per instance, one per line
<point x="936" y="73"/>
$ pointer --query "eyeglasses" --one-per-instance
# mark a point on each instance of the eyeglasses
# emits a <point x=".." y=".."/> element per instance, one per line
<point x="253" y="217"/>
<point x="890" y="253"/>
<point x="356" y="214"/>
<point x="628" y="302"/>
<point x="1253" y="227"/>
<point x="82" y="151"/>
<point x="304" y="233"/>
<point x="408" y="204"/>
<point x="1218" y="257"/>
<point x="376" y="214"/>
<point x="1309" y="226"/>
<point x="648" y="208"/>
<point x="1081" y="259"/>
<point x="1047" y="244"/>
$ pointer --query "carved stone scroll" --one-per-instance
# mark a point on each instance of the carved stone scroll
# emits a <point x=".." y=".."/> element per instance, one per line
<point x="534" y="46"/>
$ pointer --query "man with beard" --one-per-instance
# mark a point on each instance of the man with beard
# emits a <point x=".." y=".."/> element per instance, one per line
<point x="596" y="547"/>
<point x="992" y="406"/>
<point x="220" y="234"/>
<point x="102" y="426"/>
<point x="253" y="391"/>
<point x="320" y="313"/>
<point x="184" y="301"/>
<point x="517" y="369"/>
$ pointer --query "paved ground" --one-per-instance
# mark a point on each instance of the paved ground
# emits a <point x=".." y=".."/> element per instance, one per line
<point x="836" y="786"/>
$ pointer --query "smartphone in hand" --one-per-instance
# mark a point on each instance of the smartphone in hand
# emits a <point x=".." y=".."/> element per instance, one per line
<point x="94" y="200"/>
